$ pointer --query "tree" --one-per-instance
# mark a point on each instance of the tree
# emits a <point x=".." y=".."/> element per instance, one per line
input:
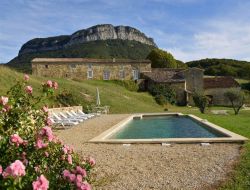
<point x="237" y="99"/>
<point x="161" y="59"/>
<point x="201" y="101"/>
<point x="163" y="94"/>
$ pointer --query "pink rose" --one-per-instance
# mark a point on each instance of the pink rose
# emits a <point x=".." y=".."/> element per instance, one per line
<point x="1" y="169"/>
<point x="45" y="109"/>
<point x="4" y="100"/>
<point x="55" y="85"/>
<point x="66" y="174"/>
<point x="29" y="89"/>
<point x="40" y="143"/>
<point x="15" y="169"/>
<point x="26" y="77"/>
<point x="48" y="132"/>
<point x="41" y="183"/>
<point x="85" y="186"/>
<point x="78" y="178"/>
<point x="49" y="122"/>
<point x="69" y="159"/>
<point x="91" y="161"/>
<point x="49" y="83"/>
<point x="81" y="171"/>
<point x="16" y="139"/>
<point x="46" y="154"/>
<point x="72" y="177"/>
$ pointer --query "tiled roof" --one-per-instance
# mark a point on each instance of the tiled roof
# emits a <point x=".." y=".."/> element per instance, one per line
<point x="220" y="82"/>
<point x="86" y="60"/>
<point x="164" y="75"/>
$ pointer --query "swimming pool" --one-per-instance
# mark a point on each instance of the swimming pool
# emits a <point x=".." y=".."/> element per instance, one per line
<point x="160" y="128"/>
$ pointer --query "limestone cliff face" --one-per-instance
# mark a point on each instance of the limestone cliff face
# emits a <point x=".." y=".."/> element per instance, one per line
<point x="98" y="32"/>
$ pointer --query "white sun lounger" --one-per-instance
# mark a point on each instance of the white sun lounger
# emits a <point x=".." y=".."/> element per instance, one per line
<point x="76" y="116"/>
<point x="82" y="113"/>
<point x="70" y="117"/>
<point x="65" y="118"/>
<point x="63" y="123"/>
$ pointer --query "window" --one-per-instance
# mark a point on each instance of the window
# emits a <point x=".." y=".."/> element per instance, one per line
<point x="106" y="74"/>
<point x="136" y="74"/>
<point x="46" y="66"/>
<point x="121" y="74"/>
<point x="90" y="74"/>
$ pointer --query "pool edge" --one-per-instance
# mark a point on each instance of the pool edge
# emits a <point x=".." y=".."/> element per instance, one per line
<point x="232" y="137"/>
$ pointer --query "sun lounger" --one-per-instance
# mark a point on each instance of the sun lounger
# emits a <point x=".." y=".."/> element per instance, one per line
<point x="63" y="122"/>
<point x="70" y="117"/>
<point x="65" y="118"/>
<point x="82" y="113"/>
<point x="76" y="116"/>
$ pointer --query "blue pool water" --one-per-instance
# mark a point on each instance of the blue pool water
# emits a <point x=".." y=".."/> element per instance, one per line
<point x="165" y="127"/>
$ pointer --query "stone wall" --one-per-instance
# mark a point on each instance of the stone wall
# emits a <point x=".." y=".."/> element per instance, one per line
<point x="80" y="70"/>
<point x="217" y="95"/>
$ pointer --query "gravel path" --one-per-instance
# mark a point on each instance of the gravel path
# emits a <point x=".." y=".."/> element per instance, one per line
<point x="144" y="166"/>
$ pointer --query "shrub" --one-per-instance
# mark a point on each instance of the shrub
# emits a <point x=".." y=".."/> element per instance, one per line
<point x="66" y="98"/>
<point x="31" y="155"/>
<point x="163" y="90"/>
<point x="128" y="84"/>
<point x="160" y="99"/>
<point x="161" y="59"/>
<point x="201" y="101"/>
<point x="237" y="99"/>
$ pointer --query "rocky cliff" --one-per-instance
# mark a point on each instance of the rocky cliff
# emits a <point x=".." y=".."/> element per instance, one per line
<point x="98" y="32"/>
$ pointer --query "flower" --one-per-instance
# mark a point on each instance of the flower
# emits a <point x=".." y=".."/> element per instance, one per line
<point x="16" y="139"/>
<point x="49" y="83"/>
<point x="55" y="85"/>
<point x="6" y="108"/>
<point x="15" y="169"/>
<point x="81" y="171"/>
<point x="40" y="143"/>
<point x="46" y="154"/>
<point x="45" y="109"/>
<point x="66" y="174"/>
<point x="91" y="161"/>
<point x="28" y="89"/>
<point x="41" y="183"/>
<point x="69" y="159"/>
<point x="85" y="186"/>
<point x="46" y="131"/>
<point x="37" y="168"/>
<point x="4" y="100"/>
<point x="49" y="122"/>
<point x="1" y="169"/>
<point x="72" y="177"/>
<point x="67" y="149"/>
<point x="26" y="77"/>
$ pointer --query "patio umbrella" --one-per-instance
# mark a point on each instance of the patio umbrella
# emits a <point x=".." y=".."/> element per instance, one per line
<point x="98" y="101"/>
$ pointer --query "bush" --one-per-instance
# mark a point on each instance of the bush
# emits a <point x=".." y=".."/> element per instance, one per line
<point x="201" y="101"/>
<point x="66" y="98"/>
<point x="237" y="99"/>
<point x="161" y="59"/>
<point x="128" y="84"/>
<point x="163" y="90"/>
<point x="31" y="155"/>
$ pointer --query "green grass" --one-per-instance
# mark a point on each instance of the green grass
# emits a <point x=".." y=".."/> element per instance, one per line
<point x="239" y="124"/>
<point x="117" y="97"/>
<point x="124" y="101"/>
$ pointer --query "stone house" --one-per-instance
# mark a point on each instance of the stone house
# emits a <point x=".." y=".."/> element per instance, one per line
<point x="187" y="81"/>
<point x="184" y="81"/>
<point x="215" y="87"/>
<point x="97" y="69"/>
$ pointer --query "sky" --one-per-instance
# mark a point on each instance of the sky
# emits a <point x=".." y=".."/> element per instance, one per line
<point x="189" y="29"/>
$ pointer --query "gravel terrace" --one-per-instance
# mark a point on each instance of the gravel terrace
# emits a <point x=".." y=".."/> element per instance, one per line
<point x="144" y="166"/>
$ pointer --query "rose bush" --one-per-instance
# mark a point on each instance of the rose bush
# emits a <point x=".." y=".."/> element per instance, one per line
<point x="31" y="156"/>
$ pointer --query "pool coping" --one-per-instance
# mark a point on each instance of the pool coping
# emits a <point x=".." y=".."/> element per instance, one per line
<point x="232" y="137"/>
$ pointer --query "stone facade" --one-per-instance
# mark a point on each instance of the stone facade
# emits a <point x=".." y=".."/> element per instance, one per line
<point x="83" y="69"/>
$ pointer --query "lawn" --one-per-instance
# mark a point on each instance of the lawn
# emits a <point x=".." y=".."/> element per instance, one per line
<point x="239" y="124"/>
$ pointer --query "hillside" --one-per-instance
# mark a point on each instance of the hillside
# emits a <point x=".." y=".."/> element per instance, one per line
<point x="96" y="49"/>
<point x="223" y="67"/>
<point x="83" y="93"/>
<point x="100" y="41"/>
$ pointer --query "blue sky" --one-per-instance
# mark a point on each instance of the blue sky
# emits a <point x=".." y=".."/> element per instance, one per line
<point x="189" y="29"/>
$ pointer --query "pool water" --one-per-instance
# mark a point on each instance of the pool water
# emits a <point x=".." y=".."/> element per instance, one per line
<point x="165" y="127"/>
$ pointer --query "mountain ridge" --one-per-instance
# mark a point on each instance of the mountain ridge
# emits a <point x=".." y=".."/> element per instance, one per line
<point x="94" y="33"/>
